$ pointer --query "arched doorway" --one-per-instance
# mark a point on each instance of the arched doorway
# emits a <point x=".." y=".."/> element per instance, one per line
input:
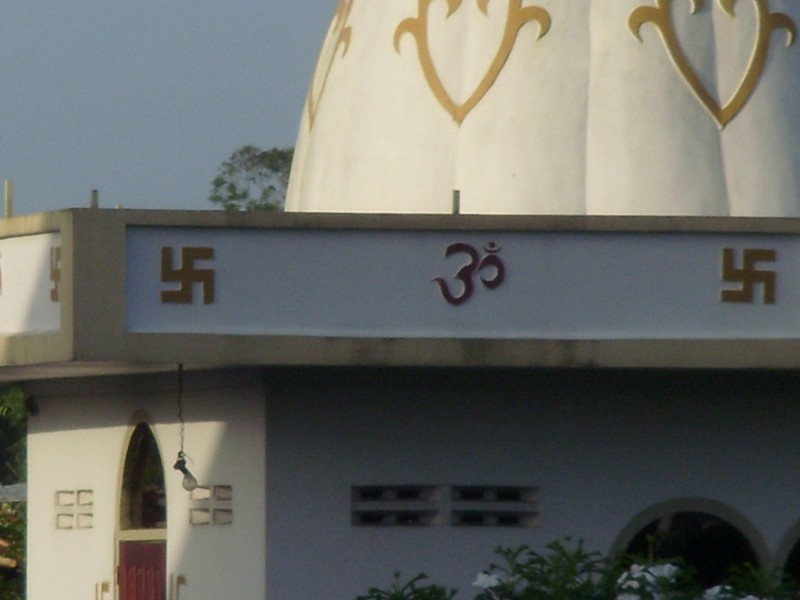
<point x="706" y="541"/>
<point x="791" y="552"/>
<point x="142" y="528"/>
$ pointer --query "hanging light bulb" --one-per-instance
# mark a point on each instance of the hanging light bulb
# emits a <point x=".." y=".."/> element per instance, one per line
<point x="189" y="480"/>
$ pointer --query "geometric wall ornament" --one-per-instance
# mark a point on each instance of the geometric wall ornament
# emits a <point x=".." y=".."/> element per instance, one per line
<point x="721" y="110"/>
<point x="211" y="505"/>
<point x="74" y="509"/>
<point x="418" y="28"/>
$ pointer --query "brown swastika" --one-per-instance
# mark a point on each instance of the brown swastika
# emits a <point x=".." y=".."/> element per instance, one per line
<point x="187" y="275"/>
<point x="748" y="275"/>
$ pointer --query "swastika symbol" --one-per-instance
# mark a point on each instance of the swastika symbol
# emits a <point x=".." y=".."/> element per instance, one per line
<point x="187" y="275"/>
<point x="748" y="275"/>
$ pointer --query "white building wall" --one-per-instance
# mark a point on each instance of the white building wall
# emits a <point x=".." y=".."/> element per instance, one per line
<point x="72" y="445"/>
<point x="78" y="441"/>
<point x="602" y="447"/>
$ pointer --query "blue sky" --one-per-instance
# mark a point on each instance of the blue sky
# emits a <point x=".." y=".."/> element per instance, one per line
<point x="144" y="100"/>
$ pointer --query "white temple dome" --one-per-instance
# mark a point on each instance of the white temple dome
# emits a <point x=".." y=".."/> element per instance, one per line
<point x="607" y="107"/>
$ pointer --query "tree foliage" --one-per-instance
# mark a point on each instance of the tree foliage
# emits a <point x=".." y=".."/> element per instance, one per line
<point x="13" y="460"/>
<point x="13" y="430"/>
<point x="253" y="179"/>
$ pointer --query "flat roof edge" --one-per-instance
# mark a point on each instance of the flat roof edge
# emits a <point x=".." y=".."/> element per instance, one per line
<point x="221" y="350"/>
<point x="53" y="221"/>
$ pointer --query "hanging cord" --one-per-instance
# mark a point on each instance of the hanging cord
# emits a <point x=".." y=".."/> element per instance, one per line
<point x="181" y="454"/>
<point x="189" y="480"/>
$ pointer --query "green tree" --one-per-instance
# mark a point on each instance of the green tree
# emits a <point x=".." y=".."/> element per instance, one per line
<point x="253" y="179"/>
<point x="13" y="461"/>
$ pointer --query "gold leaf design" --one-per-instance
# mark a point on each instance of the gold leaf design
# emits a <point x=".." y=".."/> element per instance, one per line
<point x="767" y="22"/>
<point x="418" y="28"/>
<point x="343" y="34"/>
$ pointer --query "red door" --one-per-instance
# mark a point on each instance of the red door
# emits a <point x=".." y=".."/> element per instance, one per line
<point x="142" y="567"/>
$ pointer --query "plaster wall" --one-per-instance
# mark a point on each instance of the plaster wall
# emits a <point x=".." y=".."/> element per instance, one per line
<point x="602" y="446"/>
<point x="78" y="442"/>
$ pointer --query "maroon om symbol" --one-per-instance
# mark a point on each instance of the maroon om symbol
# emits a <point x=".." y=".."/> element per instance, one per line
<point x="475" y="266"/>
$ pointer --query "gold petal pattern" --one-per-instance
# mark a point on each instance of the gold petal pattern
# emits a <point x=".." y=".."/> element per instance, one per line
<point x="343" y="33"/>
<point x="660" y="16"/>
<point x="417" y="27"/>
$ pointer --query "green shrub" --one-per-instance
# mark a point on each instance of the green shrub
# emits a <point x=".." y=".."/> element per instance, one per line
<point x="565" y="572"/>
<point x="409" y="591"/>
<point x="561" y="573"/>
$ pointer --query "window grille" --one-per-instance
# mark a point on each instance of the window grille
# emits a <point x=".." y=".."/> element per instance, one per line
<point x="494" y="506"/>
<point x="457" y="506"/>
<point x="407" y="505"/>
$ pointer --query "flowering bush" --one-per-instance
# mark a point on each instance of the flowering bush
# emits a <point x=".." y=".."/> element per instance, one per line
<point x="12" y="542"/>
<point x="562" y="573"/>
<point x="664" y="581"/>
<point x="749" y="583"/>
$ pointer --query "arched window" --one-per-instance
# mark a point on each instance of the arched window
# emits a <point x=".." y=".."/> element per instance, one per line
<point x="710" y="544"/>
<point x="143" y="502"/>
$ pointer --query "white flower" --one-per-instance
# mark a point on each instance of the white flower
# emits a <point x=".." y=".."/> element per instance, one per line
<point x="625" y="577"/>
<point x="667" y="571"/>
<point x="635" y="570"/>
<point x="719" y="592"/>
<point x="486" y="581"/>
<point x="648" y="574"/>
<point x="647" y="580"/>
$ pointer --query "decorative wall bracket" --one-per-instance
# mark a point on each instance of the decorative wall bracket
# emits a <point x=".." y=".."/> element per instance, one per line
<point x="660" y="16"/>
<point x="418" y="28"/>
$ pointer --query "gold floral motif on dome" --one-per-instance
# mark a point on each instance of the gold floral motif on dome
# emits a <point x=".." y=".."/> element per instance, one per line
<point x="660" y="16"/>
<point x="417" y="27"/>
<point x="341" y="33"/>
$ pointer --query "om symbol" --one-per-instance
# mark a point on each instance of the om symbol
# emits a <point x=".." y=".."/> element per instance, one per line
<point x="475" y="266"/>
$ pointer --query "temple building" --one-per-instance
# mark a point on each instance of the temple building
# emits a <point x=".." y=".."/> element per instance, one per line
<point x="538" y="277"/>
